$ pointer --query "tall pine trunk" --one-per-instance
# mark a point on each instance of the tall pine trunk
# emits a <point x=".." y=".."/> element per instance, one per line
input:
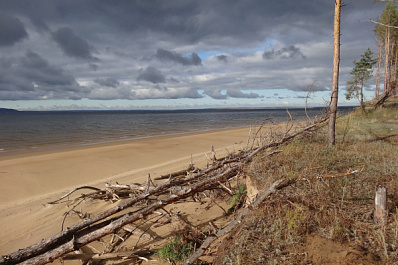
<point x="379" y="53"/>
<point x="386" y="60"/>
<point x="394" y="69"/>
<point x="335" y="78"/>
<point x="362" y="104"/>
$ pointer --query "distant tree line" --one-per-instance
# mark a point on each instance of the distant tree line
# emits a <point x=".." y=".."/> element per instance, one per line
<point x="387" y="41"/>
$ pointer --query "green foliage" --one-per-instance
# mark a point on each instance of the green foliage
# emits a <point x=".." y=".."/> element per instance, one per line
<point x="175" y="251"/>
<point x="388" y="17"/>
<point x="361" y="74"/>
<point x="238" y="198"/>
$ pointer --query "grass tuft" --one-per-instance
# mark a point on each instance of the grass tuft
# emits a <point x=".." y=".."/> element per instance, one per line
<point x="175" y="251"/>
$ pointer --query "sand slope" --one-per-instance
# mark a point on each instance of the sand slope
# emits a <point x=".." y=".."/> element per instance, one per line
<point x="32" y="179"/>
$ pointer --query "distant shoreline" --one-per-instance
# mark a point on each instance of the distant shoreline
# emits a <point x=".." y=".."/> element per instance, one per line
<point x="8" y="110"/>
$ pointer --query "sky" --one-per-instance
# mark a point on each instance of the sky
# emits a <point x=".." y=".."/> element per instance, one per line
<point x="177" y="54"/>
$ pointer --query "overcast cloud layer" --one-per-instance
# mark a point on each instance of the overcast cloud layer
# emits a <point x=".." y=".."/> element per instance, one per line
<point x="176" y="49"/>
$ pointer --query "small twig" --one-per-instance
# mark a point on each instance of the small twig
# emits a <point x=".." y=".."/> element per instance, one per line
<point x="259" y="130"/>
<point x="306" y="98"/>
<point x="214" y="201"/>
<point x="289" y="124"/>
<point x="248" y="138"/>
<point x="68" y="212"/>
<point x="146" y="230"/>
<point x="226" y="188"/>
<point x="72" y="191"/>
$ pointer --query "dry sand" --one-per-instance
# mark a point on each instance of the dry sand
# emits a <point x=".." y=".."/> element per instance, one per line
<point x="30" y="180"/>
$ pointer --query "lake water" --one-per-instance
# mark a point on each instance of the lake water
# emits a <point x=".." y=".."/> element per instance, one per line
<point x="30" y="131"/>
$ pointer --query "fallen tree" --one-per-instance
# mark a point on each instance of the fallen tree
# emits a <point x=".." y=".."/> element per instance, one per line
<point x="105" y="223"/>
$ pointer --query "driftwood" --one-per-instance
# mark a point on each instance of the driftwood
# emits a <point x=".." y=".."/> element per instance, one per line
<point x="72" y="191"/>
<point x="102" y="224"/>
<point x="112" y="192"/>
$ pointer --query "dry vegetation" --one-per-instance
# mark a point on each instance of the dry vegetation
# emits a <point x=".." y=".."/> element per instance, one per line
<point x="327" y="216"/>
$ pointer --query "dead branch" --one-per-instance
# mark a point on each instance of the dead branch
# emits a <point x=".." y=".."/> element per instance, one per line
<point x="376" y="22"/>
<point x="183" y="172"/>
<point x="256" y="134"/>
<point x="117" y="186"/>
<point x="226" y="188"/>
<point x="331" y="176"/>
<point x="72" y="191"/>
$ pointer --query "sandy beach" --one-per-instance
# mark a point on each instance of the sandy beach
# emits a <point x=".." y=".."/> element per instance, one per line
<point x="30" y="180"/>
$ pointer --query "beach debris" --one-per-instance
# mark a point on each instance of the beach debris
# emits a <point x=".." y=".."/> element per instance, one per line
<point x="120" y="221"/>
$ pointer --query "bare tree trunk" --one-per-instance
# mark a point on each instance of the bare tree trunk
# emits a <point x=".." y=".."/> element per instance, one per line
<point x="362" y="104"/>
<point x="391" y="64"/>
<point x="379" y="54"/>
<point x="394" y="70"/>
<point x="335" y="80"/>
<point x="386" y="60"/>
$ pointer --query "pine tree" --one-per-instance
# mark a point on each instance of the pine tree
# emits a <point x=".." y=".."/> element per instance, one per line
<point x="335" y="77"/>
<point x="361" y="74"/>
<point x="387" y="36"/>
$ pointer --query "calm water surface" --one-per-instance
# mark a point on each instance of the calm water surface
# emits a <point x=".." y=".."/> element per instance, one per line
<point x="30" y="131"/>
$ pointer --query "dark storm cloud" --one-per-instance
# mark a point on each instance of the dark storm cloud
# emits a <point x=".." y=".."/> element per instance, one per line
<point x="33" y="77"/>
<point x="11" y="30"/>
<point x="93" y="66"/>
<point x="184" y="21"/>
<point x="173" y="80"/>
<point x="240" y="94"/>
<point x="225" y="38"/>
<point x="290" y="52"/>
<point x="166" y="55"/>
<point x="222" y="58"/>
<point x="39" y="23"/>
<point x="109" y="82"/>
<point x="151" y="74"/>
<point x="71" y="44"/>
<point x="215" y="94"/>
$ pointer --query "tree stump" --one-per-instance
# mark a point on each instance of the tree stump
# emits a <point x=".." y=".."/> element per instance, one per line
<point x="381" y="211"/>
